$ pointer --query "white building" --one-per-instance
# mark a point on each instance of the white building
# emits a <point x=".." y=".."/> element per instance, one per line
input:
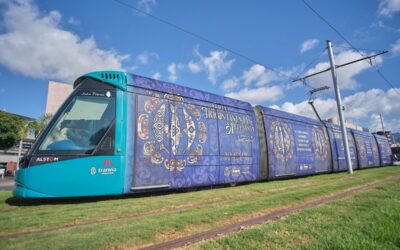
<point x="56" y="94"/>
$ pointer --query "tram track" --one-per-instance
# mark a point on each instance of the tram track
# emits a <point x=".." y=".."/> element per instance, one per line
<point x="172" y="209"/>
<point x="270" y="216"/>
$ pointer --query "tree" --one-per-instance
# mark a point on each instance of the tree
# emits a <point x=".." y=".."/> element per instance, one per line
<point x="10" y="129"/>
<point x="14" y="128"/>
<point x="38" y="125"/>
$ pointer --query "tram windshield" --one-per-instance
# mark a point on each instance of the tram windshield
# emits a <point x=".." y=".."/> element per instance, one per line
<point x="80" y="127"/>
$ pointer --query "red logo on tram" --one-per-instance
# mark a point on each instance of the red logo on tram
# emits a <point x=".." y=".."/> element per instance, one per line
<point x="108" y="163"/>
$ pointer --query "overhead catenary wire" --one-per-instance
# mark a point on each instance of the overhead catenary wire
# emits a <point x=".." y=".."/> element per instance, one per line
<point x="209" y="41"/>
<point x="371" y="57"/>
<point x="311" y="63"/>
<point x="352" y="46"/>
<point x="307" y="67"/>
<point x="360" y="49"/>
<point x="305" y="83"/>
<point x="200" y="37"/>
<point x="342" y="65"/>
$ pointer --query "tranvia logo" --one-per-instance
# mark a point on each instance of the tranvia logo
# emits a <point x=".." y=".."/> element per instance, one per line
<point x="107" y="168"/>
<point x="93" y="171"/>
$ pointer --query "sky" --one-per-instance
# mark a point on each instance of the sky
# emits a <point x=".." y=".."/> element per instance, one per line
<point x="265" y="45"/>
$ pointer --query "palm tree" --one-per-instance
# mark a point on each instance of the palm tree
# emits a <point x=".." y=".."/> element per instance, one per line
<point x="36" y="126"/>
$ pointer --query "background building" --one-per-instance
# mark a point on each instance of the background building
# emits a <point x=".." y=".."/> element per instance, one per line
<point x="388" y="135"/>
<point x="56" y="95"/>
<point x="12" y="153"/>
<point x="336" y="121"/>
<point x="396" y="137"/>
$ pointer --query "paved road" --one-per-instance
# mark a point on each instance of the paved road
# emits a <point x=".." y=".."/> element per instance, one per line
<point x="7" y="184"/>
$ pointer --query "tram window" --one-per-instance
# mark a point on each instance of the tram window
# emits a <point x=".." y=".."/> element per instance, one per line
<point x="81" y="126"/>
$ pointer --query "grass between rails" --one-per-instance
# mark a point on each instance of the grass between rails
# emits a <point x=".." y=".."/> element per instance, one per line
<point x="227" y="205"/>
<point x="25" y="216"/>
<point x="368" y="220"/>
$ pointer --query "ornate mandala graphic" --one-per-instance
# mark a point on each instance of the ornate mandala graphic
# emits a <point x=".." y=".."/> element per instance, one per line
<point x="361" y="148"/>
<point x="320" y="144"/>
<point x="282" y="139"/>
<point x="169" y="128"/>
<point x="143" y="121"/>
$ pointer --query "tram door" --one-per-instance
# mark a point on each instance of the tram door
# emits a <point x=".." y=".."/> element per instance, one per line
<point x="153" y="144"/>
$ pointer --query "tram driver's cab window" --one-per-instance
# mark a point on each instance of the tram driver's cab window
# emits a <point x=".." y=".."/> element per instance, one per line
<point x="80" y="127"/>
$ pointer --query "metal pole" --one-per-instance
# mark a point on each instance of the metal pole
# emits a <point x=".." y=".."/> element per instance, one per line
<point x="340" y="109"/>
<point x="19" y="152"/>
<point x="383" y="128"/>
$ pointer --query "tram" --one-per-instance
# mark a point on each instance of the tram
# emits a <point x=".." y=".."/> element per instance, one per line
<point x="121" y="133"/>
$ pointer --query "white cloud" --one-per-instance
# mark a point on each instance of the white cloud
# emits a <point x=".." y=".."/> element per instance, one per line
<point x="326" y="108"/>
<point x="254" y="80"/>
<point x="360" y="108"/>
<point x="375" y="124"/>
<point x="230" y="83"/>
<point x="308" y="45"/>
<point x="194" y="67"/>
<point x="73" y="21"/>
<point x="141" y="59"/>
<point x="373" y="101"/>
<point x="35" y="45"/>
<point x="156" y="76"/>
<point x="345" y="74"/>
<point x="144" y="57"/>
<point x="380" y="24"/>
<point x="146" y="5"/>
<point x="215" y="65"/>
<point x="395" y="49"/>
<point x="387" y="8"/>
<point x="257" y="95"/>
<point x="259" y="75"/>
<point x="173" y="70"/>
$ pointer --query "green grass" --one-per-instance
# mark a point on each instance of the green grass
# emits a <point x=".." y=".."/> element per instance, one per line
<point x="368" y="220"/>
<point x="218" y="207"/>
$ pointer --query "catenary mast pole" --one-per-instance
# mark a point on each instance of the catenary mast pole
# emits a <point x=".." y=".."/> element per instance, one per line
<point x="383" y="128"/>
<point x="340" y="109"/>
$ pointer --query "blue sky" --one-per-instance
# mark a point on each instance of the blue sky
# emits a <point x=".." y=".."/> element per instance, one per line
<point x="60" y="40"/>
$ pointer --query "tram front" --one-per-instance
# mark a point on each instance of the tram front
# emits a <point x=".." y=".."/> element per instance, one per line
<point x="81" y="151"/>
